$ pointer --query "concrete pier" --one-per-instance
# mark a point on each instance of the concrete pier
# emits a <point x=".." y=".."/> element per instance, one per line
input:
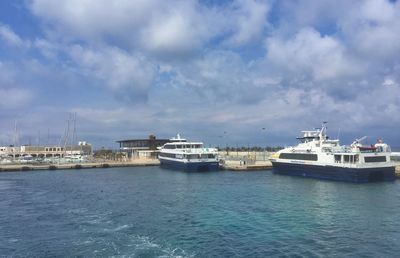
<point x="102" y="164"/>
<point x="241" y="166"/>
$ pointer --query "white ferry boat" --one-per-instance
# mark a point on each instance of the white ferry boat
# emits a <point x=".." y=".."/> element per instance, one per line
<point x="317" y="156"/>
<point x="188" y="156"/>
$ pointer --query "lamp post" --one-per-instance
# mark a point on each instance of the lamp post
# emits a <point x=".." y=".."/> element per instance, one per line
<point x="263" y="129"/>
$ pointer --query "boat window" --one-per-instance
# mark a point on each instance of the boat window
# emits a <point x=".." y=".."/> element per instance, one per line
<point x="211" y="156"/>
<point x="168" y="155"/>
<point x="355" y="158"/>
<point x="193" y="156"/>
<point x="346" y="158"/>
<point x="375" y="159"/>
<point x="299" y="156"/>
<point x="338" y="158"/>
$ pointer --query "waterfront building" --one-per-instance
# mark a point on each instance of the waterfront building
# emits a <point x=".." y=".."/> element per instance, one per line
<point x="141" y="148"/>
<point x="47" y="151"/>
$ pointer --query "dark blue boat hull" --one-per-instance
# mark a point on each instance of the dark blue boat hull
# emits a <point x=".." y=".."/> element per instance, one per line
<point x="355" y="175"/>
<point x="191" y="166"/>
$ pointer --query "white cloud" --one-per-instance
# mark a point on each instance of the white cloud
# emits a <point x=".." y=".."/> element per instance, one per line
<point x="166" y="28"/>
<point x="388" y="82"/>
<point x="172" y="29"/>
<point x="377" y="11"/>
<point x="207" y="62"/>
<point x="47" y="48"/>
<point x="249" y="21"/>
<point x="11" y="38"/>
<point x="372" y="29"/>
<point x="129" y="75"/>
<point x="309" y="53"/>
<point x="176" y="32"/>
<point x="91" y="18"/>
<point x="15" y="98"/>
<point x="12" y="94"/>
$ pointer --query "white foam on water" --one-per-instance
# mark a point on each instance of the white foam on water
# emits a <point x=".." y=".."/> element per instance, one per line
<point x="116" y="229"/>
<point x="145" y="243"/>
<point x="101" y="218"/>
<point x="87" y="242"/>
<point x="175" y="253"/>
<point x="126" y="245"/>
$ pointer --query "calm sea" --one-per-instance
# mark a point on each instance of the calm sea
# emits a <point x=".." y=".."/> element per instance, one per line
<point x="150" y="212"/>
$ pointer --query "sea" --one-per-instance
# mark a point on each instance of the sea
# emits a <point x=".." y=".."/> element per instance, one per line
<point x="151" y="212"/>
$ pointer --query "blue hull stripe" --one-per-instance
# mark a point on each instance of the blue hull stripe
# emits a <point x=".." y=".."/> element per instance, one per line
<point x="360" y="175"/>
<point x="191" y="167"/>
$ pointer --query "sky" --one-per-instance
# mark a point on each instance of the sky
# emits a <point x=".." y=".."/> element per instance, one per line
<point x="239" y="73"/>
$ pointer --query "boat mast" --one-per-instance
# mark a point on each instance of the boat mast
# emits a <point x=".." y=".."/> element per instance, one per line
<point x="16" y="137"/>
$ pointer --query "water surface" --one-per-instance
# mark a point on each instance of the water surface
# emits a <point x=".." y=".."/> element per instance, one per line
<point x="150" y="212"/>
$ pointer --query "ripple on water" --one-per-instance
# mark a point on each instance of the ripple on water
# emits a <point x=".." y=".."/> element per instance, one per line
<point x="6" y="184"/>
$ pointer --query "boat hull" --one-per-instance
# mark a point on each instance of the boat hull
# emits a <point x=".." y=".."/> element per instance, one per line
<point x="189" y="166"/>
<point x="355" y="175"/>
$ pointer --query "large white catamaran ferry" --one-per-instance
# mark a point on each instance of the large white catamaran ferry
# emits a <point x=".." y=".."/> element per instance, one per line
<point x="318" y="156"/>
<point x="189" y="156"/>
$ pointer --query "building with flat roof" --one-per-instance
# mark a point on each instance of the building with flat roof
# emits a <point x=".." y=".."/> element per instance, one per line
<point x="48" y="151"/>
<point x="137" y="148"/>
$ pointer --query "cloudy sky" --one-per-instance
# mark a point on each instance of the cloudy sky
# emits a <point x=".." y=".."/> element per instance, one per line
<point x="217" y="71"/>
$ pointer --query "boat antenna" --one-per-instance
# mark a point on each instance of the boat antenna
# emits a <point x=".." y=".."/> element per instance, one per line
<point x="338" y="134"/>
<point x="359" y="140"/>
<point x="322" y="133"/>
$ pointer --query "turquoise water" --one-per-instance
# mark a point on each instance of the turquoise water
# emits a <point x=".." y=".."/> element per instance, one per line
<point x="150" y="212"/>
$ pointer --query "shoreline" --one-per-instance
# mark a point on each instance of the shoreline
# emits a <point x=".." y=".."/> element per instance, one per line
<point x="228" y="165"/>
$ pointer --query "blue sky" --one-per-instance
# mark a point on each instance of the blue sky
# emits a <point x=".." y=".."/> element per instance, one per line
<point x="217" y="71"/>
